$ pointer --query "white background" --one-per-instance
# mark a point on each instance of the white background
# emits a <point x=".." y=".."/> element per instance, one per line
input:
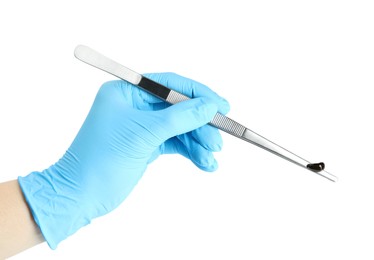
<point x="298" y="72"/>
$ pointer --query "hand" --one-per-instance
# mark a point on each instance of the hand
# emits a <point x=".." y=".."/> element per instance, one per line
<point x="125" y="130"/>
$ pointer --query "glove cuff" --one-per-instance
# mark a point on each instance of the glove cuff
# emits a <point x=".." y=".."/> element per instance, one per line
<point x="57" y="214"/>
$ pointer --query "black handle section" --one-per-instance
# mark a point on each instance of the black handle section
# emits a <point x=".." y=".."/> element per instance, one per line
<point x="154" y="88"/>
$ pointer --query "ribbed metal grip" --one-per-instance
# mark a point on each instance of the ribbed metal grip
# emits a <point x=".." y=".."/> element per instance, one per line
<point x="175" y="97"/>
<point x="228" y="125"/>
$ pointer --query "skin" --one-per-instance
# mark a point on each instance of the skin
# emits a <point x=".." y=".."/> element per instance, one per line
<point x="18" y="230"/>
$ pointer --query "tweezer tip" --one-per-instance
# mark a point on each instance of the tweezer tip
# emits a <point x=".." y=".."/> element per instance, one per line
<point x="316" y="167"/>
<point x="319" y="168"/>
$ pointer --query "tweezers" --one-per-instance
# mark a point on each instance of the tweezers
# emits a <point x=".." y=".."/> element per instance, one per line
<point x="220" y="121"/>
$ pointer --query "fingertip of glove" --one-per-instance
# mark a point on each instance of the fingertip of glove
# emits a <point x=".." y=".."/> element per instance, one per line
<point x="215" y="147"/>
<point x="224" y="106"/>
<point x="208" y="108"/>
<point x="210" y="168"/>
<point x="206" y="163"/>
<point x="221" y="105"/>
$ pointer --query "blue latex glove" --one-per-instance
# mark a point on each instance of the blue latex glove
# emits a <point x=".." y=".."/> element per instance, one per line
<point x="124" y="131"/>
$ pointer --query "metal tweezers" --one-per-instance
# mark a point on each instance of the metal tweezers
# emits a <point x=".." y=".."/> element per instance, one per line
<point x="220" y="121"/>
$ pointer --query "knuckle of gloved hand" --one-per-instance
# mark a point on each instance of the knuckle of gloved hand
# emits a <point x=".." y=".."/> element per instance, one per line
<point x="107" y="89"/>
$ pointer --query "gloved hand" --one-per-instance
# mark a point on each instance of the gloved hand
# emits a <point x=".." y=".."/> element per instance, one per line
<point x="124" y="131"/>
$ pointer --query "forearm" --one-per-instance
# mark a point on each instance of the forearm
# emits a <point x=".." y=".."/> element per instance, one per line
<point x="18" y="230"/>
